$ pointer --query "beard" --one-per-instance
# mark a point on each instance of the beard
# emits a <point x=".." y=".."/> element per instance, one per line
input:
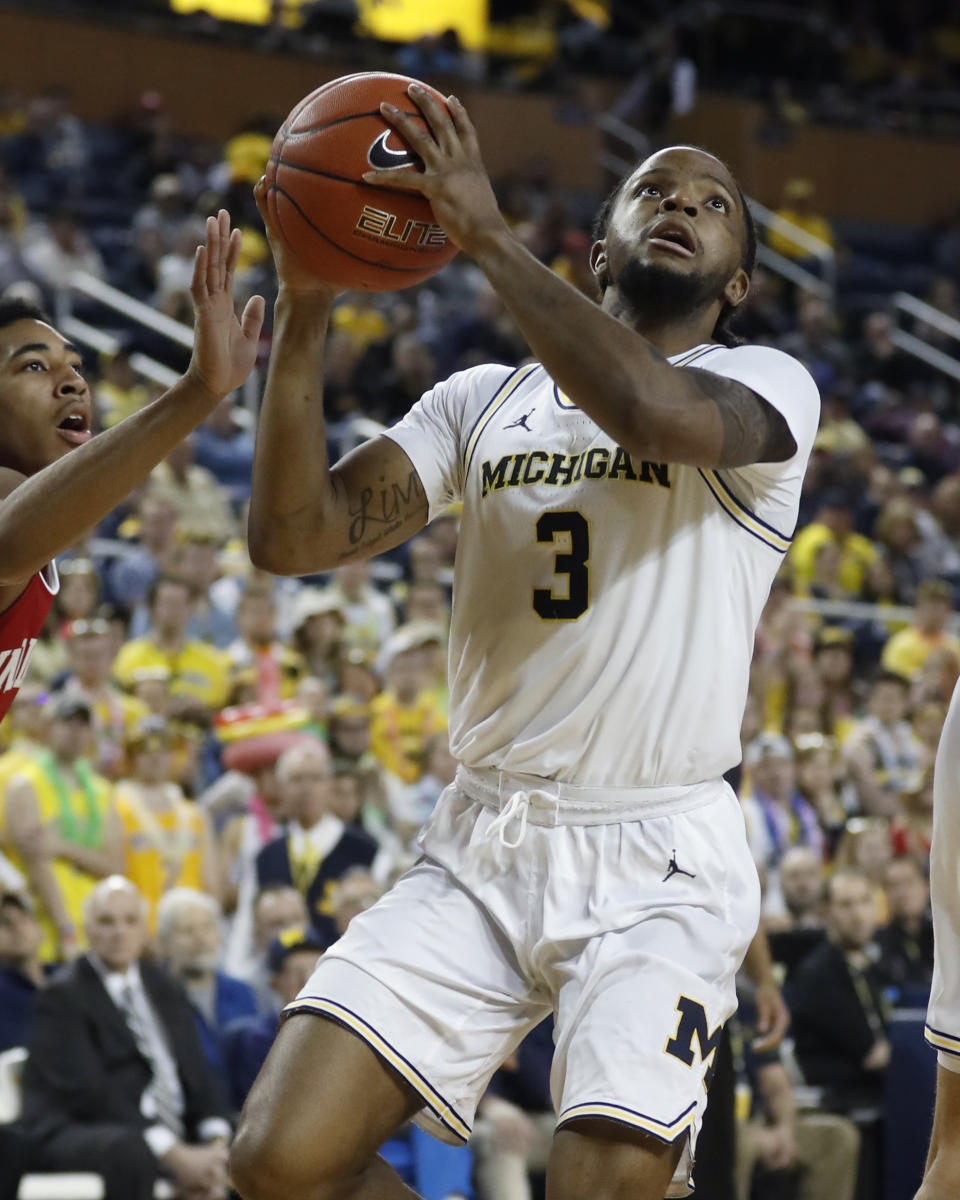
<point x="658" y="295"/>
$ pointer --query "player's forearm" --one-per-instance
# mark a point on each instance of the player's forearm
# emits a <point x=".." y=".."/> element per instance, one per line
<point x="606" y="368"/>
<point x="56" y="507"/>
<point x="292" y="495"/>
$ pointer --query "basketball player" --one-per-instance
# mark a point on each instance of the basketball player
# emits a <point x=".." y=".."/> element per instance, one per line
<point x="627" y="500"/>
<point x="941" y="1179"/>
<point x="55" y="481"/>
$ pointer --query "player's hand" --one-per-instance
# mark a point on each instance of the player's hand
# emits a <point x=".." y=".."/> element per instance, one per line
<point x="453" y="178"/>
<point x="773" y="1016"/>
<point x="293" y="276"/>
<point x="224" y="348"/>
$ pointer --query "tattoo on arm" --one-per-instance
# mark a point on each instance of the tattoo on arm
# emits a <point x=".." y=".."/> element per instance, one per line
<point x="753" y="430"/>
<point x="376" y="512"/>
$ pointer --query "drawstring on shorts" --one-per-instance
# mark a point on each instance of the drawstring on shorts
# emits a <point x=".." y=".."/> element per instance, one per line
<point x="517" y="808"/>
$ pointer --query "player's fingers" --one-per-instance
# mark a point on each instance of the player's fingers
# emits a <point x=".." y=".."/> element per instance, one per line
<point x="464" y="127"/>
<point x="251" y="322"/>
<point x="214" y="250"/>
<point x="436" y="116"/>
<point x="227" y="250"/>
<point x="405" y="180"/>
<point x="412" y="132"/>
<point x="198" y="284"/>
<point x="234" y="247"/>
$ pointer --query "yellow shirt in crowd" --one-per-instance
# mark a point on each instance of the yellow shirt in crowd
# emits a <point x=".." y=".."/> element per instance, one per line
<point x="162" y="849"/>
<point x="197" y="670"/>
<point x="857" y="553"/>
<point x="908" y="650"/>
<point x="88" y="810"/>
<point x="398" y="734"/>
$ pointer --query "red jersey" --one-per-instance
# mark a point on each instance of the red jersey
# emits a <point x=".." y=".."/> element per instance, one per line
<point x="20" y="627"/>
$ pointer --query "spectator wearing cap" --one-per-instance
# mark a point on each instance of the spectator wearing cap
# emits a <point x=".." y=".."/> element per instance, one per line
<point x="882" y="752"/>
<point x="822" y="780"/>
<point x="833" y="523"/>
<point x="115" y="712"/>
<point x="833" y="649"/>
<point x="290" y="959"/>
<point x="22" y="974"/>
<point x="188" y="942"/>
<point x="274" y="669"/>
<point x="196" y="556"/>
<point x="131" y="576"/>
<point x="317" y="848"/>
<point x="776" y="814"/>
<point x="196" y="670"/>
<point x="318" y="625"/>
<point x="407" y="713"/>
<point x="165" y="211"/>
<point x="907" y="651"/>
<point x="199" y="499"/>
<point x="63" y="824"/>
<point x="167" y="841"/>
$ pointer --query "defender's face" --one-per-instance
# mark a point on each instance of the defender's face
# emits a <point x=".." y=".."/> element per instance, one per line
<point x="45" y="407"/>
<point x="680" y="209"/>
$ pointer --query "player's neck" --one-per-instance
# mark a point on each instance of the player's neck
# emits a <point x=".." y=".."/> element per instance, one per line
<point x="669" y="337"/>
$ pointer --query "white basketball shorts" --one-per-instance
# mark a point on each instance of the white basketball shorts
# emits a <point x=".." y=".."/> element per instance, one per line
<point x="630" y="932"/>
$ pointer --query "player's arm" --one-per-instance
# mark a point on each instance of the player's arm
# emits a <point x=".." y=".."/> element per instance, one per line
<point x="43" y="515"/>
<point x="305" y="516"/>
<point x="651" y="408"/>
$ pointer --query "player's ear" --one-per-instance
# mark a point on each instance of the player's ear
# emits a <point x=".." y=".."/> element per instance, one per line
<point x="737" y="289"/>
<point x="598" y="263"/>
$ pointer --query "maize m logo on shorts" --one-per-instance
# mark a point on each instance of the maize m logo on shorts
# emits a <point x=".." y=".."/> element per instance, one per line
<point x="693" y="1025"/>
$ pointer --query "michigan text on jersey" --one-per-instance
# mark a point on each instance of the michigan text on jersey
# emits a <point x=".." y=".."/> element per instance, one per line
<point x="560" y="470"/>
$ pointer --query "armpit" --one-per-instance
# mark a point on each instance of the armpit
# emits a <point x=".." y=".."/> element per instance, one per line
<point x="753" y="430"/>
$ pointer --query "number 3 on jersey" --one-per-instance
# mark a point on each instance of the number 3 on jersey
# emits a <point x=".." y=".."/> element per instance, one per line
<point x="572" y="563"/>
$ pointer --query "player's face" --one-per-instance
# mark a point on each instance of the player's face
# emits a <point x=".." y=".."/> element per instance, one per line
<point x="45" y="407"/>
<point x="677" y="228"/>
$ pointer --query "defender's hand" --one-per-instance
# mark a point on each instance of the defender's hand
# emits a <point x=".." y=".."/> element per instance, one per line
<point x="224" y="348"/>
<point x="454" y="178"/>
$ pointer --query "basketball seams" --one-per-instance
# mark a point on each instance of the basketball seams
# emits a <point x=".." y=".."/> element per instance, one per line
<point x="360" y="183"/>
<point x="292" y="135"/>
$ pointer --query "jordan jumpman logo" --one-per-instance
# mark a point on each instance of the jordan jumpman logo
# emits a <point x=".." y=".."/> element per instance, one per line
<point x="522" y="422"/>
<point x="673" y="869"/>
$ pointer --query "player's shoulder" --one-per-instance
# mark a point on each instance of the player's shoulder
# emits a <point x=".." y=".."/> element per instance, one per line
<point x="488" y="380"/>
<point x="755" y="359"/>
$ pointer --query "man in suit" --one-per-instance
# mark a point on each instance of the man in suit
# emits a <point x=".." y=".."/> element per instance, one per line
<point x="318" y="848"/>
<point x="116" y="1081"/>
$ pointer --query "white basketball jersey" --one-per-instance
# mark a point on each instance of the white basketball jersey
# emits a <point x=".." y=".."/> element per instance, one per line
<point x="604" y="607"/>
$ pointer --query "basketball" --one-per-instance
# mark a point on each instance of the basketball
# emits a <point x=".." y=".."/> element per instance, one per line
<point x="344" y="230"/>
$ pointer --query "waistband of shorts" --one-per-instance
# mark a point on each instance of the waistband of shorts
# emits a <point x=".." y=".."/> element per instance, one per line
<point x="554" y="803"/>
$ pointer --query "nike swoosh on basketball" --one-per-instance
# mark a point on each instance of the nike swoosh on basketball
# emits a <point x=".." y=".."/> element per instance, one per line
<point x="384" y="159"/>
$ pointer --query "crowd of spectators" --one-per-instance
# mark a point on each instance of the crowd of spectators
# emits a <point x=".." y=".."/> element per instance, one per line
<point x="255" y="755"/>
